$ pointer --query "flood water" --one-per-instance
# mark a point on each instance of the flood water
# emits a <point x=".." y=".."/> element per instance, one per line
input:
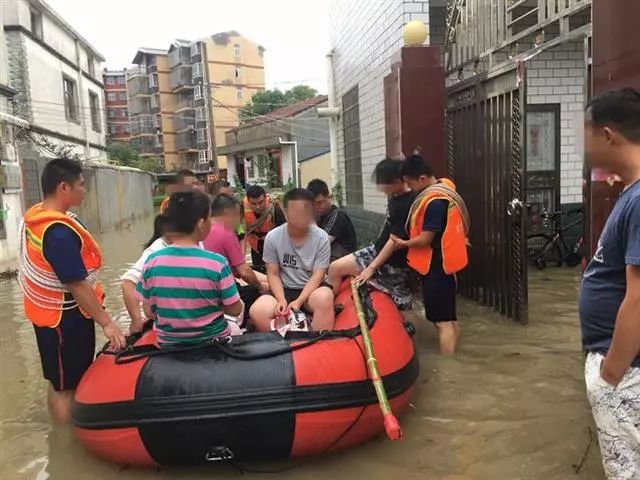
<point x="510" y="405"/>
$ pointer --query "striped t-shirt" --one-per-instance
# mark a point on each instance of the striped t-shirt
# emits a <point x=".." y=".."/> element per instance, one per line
<point x="186" y="288"/>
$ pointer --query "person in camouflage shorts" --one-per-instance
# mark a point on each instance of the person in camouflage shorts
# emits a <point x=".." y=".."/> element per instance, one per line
<point x="381" y="264"/>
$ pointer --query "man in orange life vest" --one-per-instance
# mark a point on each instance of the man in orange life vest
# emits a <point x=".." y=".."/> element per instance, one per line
<point x="59" y="262"/>
<point x="261" y="215"/>
<point x="184" y="180"/>
<point x="437" y="227"/>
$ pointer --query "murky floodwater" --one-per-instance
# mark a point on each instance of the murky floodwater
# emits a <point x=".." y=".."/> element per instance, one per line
<point x="510" y="405"/>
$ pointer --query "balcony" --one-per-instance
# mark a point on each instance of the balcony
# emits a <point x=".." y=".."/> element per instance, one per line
<point x="179" y="56"/>
<point x="196" y="72"/>
<point x="155" y="103"/>
<point x="138" y="85"/>
<point x="201" y="117"/>
<point x="186" y="141"/>
<point x="139" y="105"/>
<point x="201" y="139"/>
<point x="184" y="122"/>
<point x="181" y="78"/>
<point x="147" y="145"/>
<point x="144" y="125"/>
<point x="185" y="102"/>
<point x="136" y="72"/>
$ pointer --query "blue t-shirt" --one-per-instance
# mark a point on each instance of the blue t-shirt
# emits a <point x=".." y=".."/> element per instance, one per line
<point x="604" y="284"/>
<point x="435" y="220"/>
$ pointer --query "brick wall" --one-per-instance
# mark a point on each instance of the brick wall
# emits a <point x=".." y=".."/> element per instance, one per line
<point x="557" y="76"/>
<point x="363" y="41"/>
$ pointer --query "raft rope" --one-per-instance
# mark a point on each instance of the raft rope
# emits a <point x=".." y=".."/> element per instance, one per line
<point x="453" y="197"/>
<point x="28" y="272"/>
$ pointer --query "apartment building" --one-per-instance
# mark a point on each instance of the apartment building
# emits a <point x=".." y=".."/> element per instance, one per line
<point x="116" y="105"/>
<point x="57" y="74"/>
<point x="182" y="100"/>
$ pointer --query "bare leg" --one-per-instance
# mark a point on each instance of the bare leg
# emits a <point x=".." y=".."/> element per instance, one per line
<point x="342" y="268"/>
<point x="60" y="404"/>
<point x="262" y="312"/>
<point x="448" y="333"/>
<point x="320" y="303"/>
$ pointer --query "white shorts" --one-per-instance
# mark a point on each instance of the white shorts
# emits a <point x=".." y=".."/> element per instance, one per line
<point x="616" y="411"/>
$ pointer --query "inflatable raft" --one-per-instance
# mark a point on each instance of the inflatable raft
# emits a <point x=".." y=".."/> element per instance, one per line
<point x="259" y="397"/>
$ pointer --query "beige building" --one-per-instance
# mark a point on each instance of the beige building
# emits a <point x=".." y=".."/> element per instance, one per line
<point x="184" y="99"/>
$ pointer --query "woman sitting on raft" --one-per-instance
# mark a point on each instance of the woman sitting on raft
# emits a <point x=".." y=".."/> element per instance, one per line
<point x="132" y="277"/>
<point x="185" y="289"/>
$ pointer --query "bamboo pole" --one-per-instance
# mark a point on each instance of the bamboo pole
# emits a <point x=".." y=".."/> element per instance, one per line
<point x="391" y="425"/>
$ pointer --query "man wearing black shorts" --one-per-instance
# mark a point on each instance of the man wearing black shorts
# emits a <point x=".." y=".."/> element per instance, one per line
<point x="437" y="213"/>
<point x="59" y="280"/>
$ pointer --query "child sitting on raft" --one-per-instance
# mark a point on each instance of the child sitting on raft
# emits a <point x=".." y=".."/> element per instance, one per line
<point x="185" y="289"/>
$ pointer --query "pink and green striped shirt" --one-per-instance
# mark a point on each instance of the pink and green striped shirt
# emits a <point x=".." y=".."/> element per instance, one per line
<point x="186" y="288"/>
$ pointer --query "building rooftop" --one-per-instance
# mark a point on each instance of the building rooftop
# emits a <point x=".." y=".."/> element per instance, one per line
<point x="149" y="51"/>
<point x="283" y="112"/>
<point x="44" y="7"/>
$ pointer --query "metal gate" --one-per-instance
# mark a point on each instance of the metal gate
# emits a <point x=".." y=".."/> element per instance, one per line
<point x="486" y="159"/>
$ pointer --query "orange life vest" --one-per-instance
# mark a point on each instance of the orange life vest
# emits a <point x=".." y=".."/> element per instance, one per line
<point x="44" y="305"/>
<point x="258" y="227"/>
<point x="164" y="205"/>
<point x="454" y="238"/>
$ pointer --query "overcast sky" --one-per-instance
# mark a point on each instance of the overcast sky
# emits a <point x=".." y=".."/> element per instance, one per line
<point x="294" y="32"/>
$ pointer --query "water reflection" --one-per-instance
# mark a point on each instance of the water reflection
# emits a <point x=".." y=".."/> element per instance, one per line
<point x="511" y="405"/>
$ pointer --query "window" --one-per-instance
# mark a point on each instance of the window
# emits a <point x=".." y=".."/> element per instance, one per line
<point x="70" y="99"/>
<point x="112" y="113"/>
<point x="126" y="128"/>
<point x="203" y="156"/>
<point x="195" y="49"/>
<point x="236" y="50"/>
<point x="36" y="23"/>
<point x="201" y="135"/>
<point x="251" y="171"/>
<point x="239" y="94"/>
<point x="94" y="105"/>
<point x="153" y="80"/>
<point x="121" y="80"/>
<point x="112" y="129"/>
<point x="197" y="93"/>
<point x="111" y="96"/>
<point x="237" y="72"/>
<point x="197" y="70"/>
<point x="155" y="102"/>
<point x="125" y="113"/>
<point x="111" y="81"/>
<point x="200" y="116"/>
<point x="123" y="96"/>
<point x="91" y="64"/>
<point x="352" y="157"/>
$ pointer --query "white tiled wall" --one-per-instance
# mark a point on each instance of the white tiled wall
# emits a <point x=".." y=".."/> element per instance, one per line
<point x="557" y="76"/>
<point x="364" y="37"/>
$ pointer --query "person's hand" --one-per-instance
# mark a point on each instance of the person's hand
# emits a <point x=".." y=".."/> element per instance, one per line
<point x="609" y="376"/>
<point x="282" y="308"/>
<point x="136" y="326"/>
<point x="398" y="241"/>
<point x="295" y="305"/>
<point x="114" y="335"/>
<point x="364" y="277"/>
<point x="263" y="288"/>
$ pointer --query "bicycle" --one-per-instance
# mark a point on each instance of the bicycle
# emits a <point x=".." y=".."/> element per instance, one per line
<point x="550" y="246"/>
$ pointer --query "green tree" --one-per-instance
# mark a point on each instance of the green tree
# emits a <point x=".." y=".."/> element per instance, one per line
<point x="123" y="154"/>
<point x="264" y="102"/>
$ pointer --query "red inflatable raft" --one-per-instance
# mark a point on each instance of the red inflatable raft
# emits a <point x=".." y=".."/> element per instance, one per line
<point x="259" y="397"/>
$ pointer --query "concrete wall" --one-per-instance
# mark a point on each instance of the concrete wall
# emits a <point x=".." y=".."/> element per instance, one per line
<point x="363" y="41"/>
<point x="316" y="167"/>
<point x="557" y="76"/>
<point x="115" y="196"/>
<point x="311" y="133"/>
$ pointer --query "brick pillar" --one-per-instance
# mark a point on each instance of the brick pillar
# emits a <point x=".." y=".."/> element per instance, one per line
<point x="414" y="105"/>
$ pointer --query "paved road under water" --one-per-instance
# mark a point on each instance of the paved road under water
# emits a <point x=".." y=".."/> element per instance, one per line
<point x="510" y="405"/>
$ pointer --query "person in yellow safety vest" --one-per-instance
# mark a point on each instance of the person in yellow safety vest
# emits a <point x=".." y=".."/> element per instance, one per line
<point x="437" y="246"/>
<point x="184" y="180"/>
<point x="57" y="272"/>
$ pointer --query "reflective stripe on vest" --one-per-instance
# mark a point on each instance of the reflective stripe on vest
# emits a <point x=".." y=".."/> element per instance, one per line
<point x="44" y="305"/>
<point x="454" y="239"/>
<point x="253" y="235"/>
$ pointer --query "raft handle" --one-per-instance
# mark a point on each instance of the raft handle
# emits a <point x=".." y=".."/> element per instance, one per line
<point x="219" y="454"/>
